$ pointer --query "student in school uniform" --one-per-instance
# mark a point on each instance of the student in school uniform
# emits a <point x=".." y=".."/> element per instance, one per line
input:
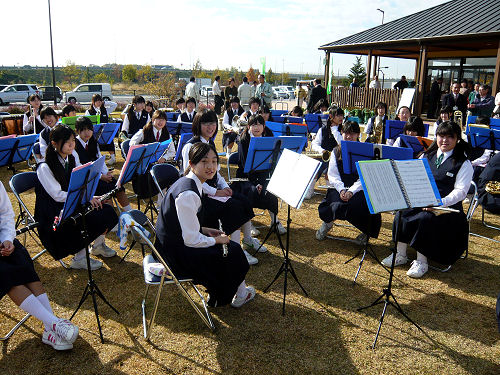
<point x="219" y="201"/>
<point x="255" y="187"/>
<point x="414" y="127"/>
<point x="297" y="111"/>
<point x="327" y="138"/>
<point x="380" y="118"/>
<point x="190" y="247"/>
<point x="51" y="193"/>
<point x="230" y="135"/>
<point x="265" y="112"/>
<point x="442" y="238"/>
<point x="150" y="108"/>
<point x="345" y="199"/>
<point x="49" y="119"/>
<point x="33" y="115"/>
<point x="180" y="104"/>
<point x="189" y="113"/>
<point x="19" y="280"/>
<point x="135" y="118"/>
<point x="88" y="150"/>
<point x="68" y="111"/>
<point x="444" y="115"/>
<point x="103" y="108"/>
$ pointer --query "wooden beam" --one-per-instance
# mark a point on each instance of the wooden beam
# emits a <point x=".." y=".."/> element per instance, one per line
<point x="495" y="86"/>
<point x="376" y="62"/>
<point x="368" y="68"/>
<point x="419" y="101"/>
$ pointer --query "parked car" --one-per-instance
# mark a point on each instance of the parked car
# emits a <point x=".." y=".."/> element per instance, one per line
<point x="17" y="93"/>
<point x="206" y="91"/>
<point x="83" y="93"/>
<point x="279" y="93"/>
<point x="289" y="90"/>
<point x="48" y="93"/>
<point x="2" y="87"/>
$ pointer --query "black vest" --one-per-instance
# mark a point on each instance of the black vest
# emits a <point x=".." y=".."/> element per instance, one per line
<point x="185" y="117"/>
<point x="103" y="117"/>
<point x="347" y="179"/>
<point x="445" y="175"/>
<point x="45" y="134"/>
<point x="88" y="155"/>
<point x="149" y="135"/>
<point x="230" y="113"/>
<point x="213" y="181"/>
<point x="328" y="141"/>
<point x="38" y="125"/>
<point x="136" y="124"/>
<point x="168" y="228"/>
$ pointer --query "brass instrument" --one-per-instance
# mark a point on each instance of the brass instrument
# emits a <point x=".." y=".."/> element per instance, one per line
<point x="239" y="123"/>
<point x="458" y="117"/>
<point x="378" y="128"/>
<point x="493" y="187"/>
<point x="325" y="156"/>
<point x="392" y="112"/>
<point x="224" y="245"/>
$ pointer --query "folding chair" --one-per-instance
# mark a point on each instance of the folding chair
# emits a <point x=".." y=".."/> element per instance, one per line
<point x="15" y="328"/>
<point x="124" y="148"/>
<point x="19" y="184"/>
<point x="141" y="219"/>
<point x="484" y="223"/>
<point x="164" y="175"/>
<point x="232" y="160"/>
<point x="167" y="278"/>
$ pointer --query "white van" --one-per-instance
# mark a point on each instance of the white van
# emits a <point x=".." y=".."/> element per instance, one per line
<point x="84" y="92"/>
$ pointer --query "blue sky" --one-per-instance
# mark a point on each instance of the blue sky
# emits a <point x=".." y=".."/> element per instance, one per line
<point x="218" y="33"/>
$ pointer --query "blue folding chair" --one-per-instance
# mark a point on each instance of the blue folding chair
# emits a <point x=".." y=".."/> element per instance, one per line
<point x="164" y="175"/>
<point x="124" y="148"/>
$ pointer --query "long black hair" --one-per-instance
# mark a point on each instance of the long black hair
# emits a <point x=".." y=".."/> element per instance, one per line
<point x="59" y="134"/>
<point x="462" y="148"/>
<point x="198" y="151"/>
<point x="201" y="117"/>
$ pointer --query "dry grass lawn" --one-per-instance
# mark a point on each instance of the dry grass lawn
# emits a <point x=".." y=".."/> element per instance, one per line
<point x="320" y="334"/>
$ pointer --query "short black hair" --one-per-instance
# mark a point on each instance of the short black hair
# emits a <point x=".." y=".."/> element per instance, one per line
<point x="192" y="79"/>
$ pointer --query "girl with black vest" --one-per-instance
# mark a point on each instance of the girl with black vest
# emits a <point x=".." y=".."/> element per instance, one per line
<point x="189" y="113"/>
<point x="19" y="280"/>
<point x="255" y="188"/>
<point x="219" y="201"/>
<point x="135" y="118"/>
<point x="51" y="193"/>
<point x="194" y="250"/>
<point x="381" y="117"/>
<point x="345" y="199"/>
<point x="33" y="115"/>
<point x="231" y="134"/>
<point x="99" y="107"/>
<point x="326" y="139"/>
<point x="150" y="108"/>
<point x="254" y="104"/>
<point x="442" y="238"/>
<point x="414" y="127"/>
<point x="49" y="120"/>
<point x="88" y="151"/>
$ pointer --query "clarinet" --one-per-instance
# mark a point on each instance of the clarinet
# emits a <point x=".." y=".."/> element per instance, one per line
<point x="224" y="245"/>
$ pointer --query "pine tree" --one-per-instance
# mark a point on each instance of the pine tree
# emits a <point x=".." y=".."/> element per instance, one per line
<point x="358" y="71"/>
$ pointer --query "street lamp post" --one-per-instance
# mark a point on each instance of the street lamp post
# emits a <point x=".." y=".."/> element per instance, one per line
<point x="383" y="14"/>
<point x="383" y="75"/>
<point x="52" y="56"/>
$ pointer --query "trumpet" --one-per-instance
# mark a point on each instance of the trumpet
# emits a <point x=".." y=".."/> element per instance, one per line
<point x="325" y="156"/>
<point x="238" y="123"/>
<point x="458" y="117"/>
<point x="224" y="245"/>
<point x="493" y="187"/>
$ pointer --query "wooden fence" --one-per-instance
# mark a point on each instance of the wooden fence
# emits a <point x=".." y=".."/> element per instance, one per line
<point x="361" y="97"/>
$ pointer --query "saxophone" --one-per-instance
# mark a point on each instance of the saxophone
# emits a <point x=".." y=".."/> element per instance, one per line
<point x="378" y="130"/>
<point x="493" y="187"/>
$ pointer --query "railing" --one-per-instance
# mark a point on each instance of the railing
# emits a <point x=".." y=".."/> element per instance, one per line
<point x="361" y="97"/>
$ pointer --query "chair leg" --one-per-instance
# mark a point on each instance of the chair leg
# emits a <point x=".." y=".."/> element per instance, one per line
<point x="206" y="317"/>
<point x="143" y="306"/>
<point x="128" y="251"/>
<point x="155" y="309"/>
<point x="15" y="328"/>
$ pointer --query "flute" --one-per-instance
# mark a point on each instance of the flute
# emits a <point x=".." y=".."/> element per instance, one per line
<point x="224" y="245"/>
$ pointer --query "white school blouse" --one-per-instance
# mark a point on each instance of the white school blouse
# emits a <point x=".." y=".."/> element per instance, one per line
<point x="335" y="181"/>
<point x="207" y="189"/>
<point x="126" y="122"/>
<point x="7" y="226"/>
<point x="27" y="125"/>
<point x="187" y="205"/>
<point x="49" y="182"/>
<point x="110" y="107"/>
<point x="316" y="143"/>
<point x="139" y="137"/>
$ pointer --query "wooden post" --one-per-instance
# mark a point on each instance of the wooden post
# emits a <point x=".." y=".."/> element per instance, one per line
<point x="368" y="69"/>
<point x="376" y="63"/>
<point x="419" y="101"/>
<point x="495" y="86"/>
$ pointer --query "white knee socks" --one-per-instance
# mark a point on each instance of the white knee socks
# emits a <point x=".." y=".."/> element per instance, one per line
<point x="401" y="248"/>
<point x="99" y="241"/>
<point x="247" y="230"/>
<point x="79" y="255"/>
<point x="421" y="257"/>
<point x="235" y="236"/>
<point x="242" y="289"/>
<point x="34" y="307"/>
<point x="44" y="300"/>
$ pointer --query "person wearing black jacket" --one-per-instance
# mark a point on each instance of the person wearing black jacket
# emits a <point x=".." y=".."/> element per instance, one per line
<point x="456" y="100"/>
<point x="318" y="92"/>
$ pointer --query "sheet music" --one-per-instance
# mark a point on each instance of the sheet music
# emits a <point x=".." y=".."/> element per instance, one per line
<point x="292" y="176"/>
<point x="416" y="182"/>
<point x="382" y="186"/>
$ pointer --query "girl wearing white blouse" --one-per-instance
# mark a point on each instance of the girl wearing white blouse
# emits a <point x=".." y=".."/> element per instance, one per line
<point x="195" y="251"/>
<point x="19" y="280"/>
<point x="32" y="117"/>
<point x="442" y="238"/>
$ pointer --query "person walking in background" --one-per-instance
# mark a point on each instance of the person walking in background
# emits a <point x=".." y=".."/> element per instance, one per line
<point x="401" y="84"/>
<point x="192" y="90"/>
<point x="219" y="102"/>
<point x="375" y="84"/>
<point x="264" y="92"/>
<point x="434" y="97"/>
<point x="317" y="93"/>
<point x="245" y="93"/>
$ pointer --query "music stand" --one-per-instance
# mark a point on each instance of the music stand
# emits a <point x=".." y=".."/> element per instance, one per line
<point x="352" y="152"/>
<point x="105" y="133"/>
<point x="162" y="148"/>
<point x="16" y="149"/>
<point x="290" y="180"/>
<point x="292" y="130"/>
<point x="484" y="137"/>
<point x="82" y="186"/>
<point x="417" y="144"/>
<point x="176" y="129"/>
<point x="137" y="163"/>
<point x="314" y="121"/>
<point x="71" y="120"/>
<point x="185" y="137"/>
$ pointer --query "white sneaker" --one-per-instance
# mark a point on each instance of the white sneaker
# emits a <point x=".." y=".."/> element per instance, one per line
<point x="254" y="231"/>
<point x="253" y="245"/>
<point x="240" y="301"/>
<point x="111" y="160"/>
<point x="65" y="330"/>
<point x="281" y="228"/>
<point x="52" y="339"/>
<point x="81" y="264"/>
<point x="103" y="251"/>
<point x="400" y="260"/>
<point x="417" y="269"/>
<point x="323" y="230"/>
<point x="250" y="258"/>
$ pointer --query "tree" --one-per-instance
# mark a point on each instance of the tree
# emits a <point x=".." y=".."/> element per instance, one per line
<point x="358" y="71"/>
<point x="101" y="77"/>
<point x="71" y="72"/>
<point x="286" y="78"/>
<point x="251" y="75"/>
<point x="129" y="73"/>
<point x="165" y="87"/>
<point x="270" y="76"/>
<point x="146" y="73"/>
